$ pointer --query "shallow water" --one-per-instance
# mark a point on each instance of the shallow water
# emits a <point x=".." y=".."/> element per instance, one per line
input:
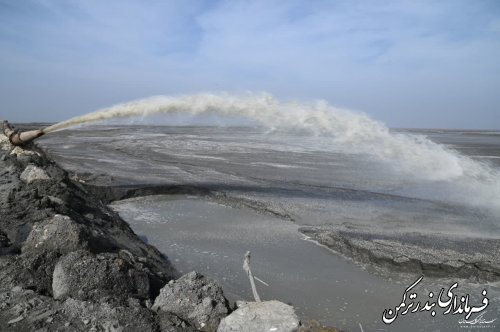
<point x="212" y="239"/>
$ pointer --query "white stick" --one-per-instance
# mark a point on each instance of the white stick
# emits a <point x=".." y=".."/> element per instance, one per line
<point x="261" y="281"/>
<point x="246" y="267"/>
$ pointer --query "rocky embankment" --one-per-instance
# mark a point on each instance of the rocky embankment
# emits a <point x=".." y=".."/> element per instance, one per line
<point x="69" y="263"/>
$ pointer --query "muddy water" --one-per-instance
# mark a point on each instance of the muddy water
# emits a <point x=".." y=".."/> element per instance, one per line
<point x="212" y="239"/>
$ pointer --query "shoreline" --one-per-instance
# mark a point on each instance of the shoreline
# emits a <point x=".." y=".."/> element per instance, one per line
<point x="68" y="262"/>
<point x="417" y="253"/>
<point x="381" y="250"/>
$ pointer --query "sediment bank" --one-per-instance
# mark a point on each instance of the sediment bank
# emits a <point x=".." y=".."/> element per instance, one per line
<point x="383" y="252"/>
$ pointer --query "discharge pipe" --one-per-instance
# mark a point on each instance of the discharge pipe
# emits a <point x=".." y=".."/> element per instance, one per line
<point x="20" y="138"/>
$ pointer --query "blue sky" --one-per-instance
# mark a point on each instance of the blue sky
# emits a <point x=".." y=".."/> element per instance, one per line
<point x="406" y="63"/>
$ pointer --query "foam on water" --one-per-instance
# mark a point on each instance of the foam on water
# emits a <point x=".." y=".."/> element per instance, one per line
<point x="462" y="179"/>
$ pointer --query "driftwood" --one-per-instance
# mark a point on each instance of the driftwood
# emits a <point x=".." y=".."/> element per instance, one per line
<point x="246" y="267"/>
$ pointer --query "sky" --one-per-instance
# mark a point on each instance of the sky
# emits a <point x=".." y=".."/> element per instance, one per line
<point x="420" y="64"/>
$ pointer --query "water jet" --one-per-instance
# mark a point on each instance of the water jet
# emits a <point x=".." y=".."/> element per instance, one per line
<point x="18" y="138"/>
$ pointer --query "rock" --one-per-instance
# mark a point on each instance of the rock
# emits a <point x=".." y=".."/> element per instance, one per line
<point x="55" y="200"/>
<point x="170" y="323"/>
<point x="15" y="320"/>
<point x="261" y="316"/>
<point x="22" y="152"/>
<point x="85" y="315"/>
<point x="5" y="244"/>
<point x="4" y="142"/>
<point x="44" y="315"/>
<point x="240" y="304"/>
<point x="30" y="270"/>
<point x="60" y="234"/>
<point x="196" y="299"/>
<point x="69" y="315"/>
<point x="32" y="173"/>
<point x="4" y="240"/>
<point x="83" y="275"/>
<point x="35" y="236"/>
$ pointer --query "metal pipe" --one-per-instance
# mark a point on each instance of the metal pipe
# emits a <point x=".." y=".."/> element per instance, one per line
<point x="20" y="138"/>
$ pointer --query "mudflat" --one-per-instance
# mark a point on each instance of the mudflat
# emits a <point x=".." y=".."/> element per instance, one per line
<point x="391" y="224"/>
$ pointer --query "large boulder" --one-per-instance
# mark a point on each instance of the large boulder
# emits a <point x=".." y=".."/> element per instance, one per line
<point x="32" y="173"/>
<point x="4" y="142"/>
<point x="31" y="270"/>
<point x="59" y="234"/>
<point x="91" y="316"/>
<point x="83" y="275"/>
<point x="261" y="316"/>
<point x="26" y="310"/>
<point x="196" y="299"/>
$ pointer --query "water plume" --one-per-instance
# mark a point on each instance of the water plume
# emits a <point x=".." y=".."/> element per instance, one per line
<point x="353" y="132"/>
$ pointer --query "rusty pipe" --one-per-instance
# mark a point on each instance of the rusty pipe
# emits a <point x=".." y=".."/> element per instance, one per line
<point x="20" y="138"/>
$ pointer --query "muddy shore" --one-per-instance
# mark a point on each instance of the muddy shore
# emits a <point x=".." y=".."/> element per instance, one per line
<point x="376" y="227"/>
<point x="45" y="217"/>
<point x="70" y="263"/>
<point x="79" y="196"/>
<point x="433" y="255"/>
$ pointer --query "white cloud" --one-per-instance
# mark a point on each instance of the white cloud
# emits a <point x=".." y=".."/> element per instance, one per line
<point x="376" y="56"/>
